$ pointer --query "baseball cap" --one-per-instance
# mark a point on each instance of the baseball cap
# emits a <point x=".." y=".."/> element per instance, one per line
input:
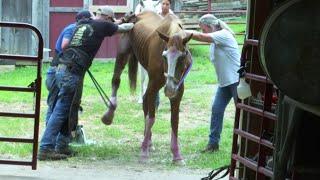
<point x="209" y="19"/>
<point x="83" y="14"/>
<point x="106" y="10"/>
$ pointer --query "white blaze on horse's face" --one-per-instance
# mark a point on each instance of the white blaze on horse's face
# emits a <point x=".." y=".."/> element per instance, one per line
<point x="171" y="56"/>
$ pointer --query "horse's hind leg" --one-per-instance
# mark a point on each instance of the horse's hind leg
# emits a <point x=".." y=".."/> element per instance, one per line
<point x="121" y="61"/>
<point x="175" y="105"/>
<point x="144" y="78"/>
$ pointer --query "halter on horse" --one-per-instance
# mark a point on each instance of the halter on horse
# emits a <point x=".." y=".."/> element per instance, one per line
<point x="160" y="46"/>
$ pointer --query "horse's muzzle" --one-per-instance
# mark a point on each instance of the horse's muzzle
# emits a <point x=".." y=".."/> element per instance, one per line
<point x="170" y="88"/>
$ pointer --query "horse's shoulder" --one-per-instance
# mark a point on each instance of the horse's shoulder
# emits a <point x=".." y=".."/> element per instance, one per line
<point x="149" y="19"/>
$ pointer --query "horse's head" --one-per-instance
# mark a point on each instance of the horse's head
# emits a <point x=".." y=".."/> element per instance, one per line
<point x="177" y="60"/>
<point x="149" y="5"/>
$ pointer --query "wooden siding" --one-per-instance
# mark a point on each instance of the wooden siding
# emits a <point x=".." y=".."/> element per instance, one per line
<point x="63" y="13"/>
<point x="50" y="17"/>
<point x="15" y="40"/>
<point x="110" y="2"/>
<point x="58" y="20"/>
<point x="66" y="3"/>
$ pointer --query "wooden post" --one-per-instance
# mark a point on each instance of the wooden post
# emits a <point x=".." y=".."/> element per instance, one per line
<point x="209" y="6"/>
<point x="0" y="29"/>
<point x="40" y="19"/>
<point x="177" y="5"/>
<point x="86" y="4"/>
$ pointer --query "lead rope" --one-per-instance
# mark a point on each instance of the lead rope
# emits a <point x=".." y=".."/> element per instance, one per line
<point x="103" y="95"/>
<point x="217" y="171"/>
<point x="185" y="73"/>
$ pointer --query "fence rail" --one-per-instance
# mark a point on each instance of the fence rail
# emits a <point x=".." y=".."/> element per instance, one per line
<point x="193" y="23"/>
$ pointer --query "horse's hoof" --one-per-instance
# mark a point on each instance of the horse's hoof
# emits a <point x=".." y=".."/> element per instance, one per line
<point x="107" y="118"/>
<point x="152" y="148"/>
<point x="143" y="159"/>
<point x="178" y="162"/>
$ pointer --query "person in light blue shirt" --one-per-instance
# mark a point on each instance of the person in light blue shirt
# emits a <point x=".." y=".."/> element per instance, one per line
<point x="225" y="56"/>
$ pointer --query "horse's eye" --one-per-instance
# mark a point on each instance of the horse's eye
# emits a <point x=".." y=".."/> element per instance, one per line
<point x="185" y="53"/>
<point x="181" y="57"/>
<point x="164" y="56"/>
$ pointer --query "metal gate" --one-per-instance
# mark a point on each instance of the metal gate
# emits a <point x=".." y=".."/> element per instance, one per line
<point x="34" y="87"/>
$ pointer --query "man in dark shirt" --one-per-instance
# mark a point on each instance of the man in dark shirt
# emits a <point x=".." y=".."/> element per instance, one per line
<point x="74" y="62"/>
<point x="53" y="90"/>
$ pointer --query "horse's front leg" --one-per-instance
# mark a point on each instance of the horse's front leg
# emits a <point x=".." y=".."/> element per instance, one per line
<point x="149" y="109"/>
<point x="121" y="61"/>
<point x="175" y="105"/>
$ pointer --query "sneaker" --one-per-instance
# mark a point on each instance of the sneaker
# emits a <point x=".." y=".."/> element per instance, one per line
<point x="211" y="148"/>
<point x="50" y="155"/>
<point x="66" y="151"/>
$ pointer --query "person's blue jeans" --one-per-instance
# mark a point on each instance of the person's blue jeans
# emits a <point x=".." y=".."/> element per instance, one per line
<point x="53" y="91"/>
<point x="220" y="102"/>
<point x="52" y="138"/>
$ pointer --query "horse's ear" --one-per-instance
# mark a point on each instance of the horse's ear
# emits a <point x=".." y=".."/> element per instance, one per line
<point x="187" y="39"/>
<point x="157" y="3"/>
<point x="163" y="36"/>
<point x="141" y="3"/>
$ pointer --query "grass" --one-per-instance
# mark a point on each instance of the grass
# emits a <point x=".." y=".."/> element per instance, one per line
<point x="121" y="141"/>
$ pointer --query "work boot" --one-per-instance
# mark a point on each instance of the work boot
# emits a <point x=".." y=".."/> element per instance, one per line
<point x="50" y="155"/>
<point x="78" y="135"/>
<point x="211" y="148"/>
<point x="66" y="151"/>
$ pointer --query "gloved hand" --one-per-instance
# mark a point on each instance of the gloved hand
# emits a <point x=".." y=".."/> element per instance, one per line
<point x="125" y="27"/>
<point x="129" y="17"/>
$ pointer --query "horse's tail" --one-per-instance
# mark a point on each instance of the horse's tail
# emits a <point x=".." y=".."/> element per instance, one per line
<point x="133" y="69"/>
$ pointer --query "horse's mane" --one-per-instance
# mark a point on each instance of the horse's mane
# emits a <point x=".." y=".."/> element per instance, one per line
<point x="148" y="15"/>
<point x="170" y="24"/>
<point x="172" y="27"/>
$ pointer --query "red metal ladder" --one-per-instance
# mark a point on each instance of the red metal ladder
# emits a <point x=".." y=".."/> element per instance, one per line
<point x="36" y="89"/>
<point x="266" y="117"/>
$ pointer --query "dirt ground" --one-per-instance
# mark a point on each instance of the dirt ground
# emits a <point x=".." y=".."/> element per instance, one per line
<point x="98" y="170"/>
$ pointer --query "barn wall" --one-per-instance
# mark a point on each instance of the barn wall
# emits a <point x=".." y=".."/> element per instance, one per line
<point x="63" y="13"/>
<point x="22" y="41"/>
<point x="14" y="40"/>
<point x="40" y="19"/>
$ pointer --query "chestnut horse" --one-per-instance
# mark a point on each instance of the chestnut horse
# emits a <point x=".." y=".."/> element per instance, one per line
<point x="160" y="46"/>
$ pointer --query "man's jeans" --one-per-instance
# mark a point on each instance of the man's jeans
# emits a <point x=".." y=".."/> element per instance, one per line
<point x="220" y="102"/>
<point x="53" y="91"/>
<point x="52" y="138"/>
